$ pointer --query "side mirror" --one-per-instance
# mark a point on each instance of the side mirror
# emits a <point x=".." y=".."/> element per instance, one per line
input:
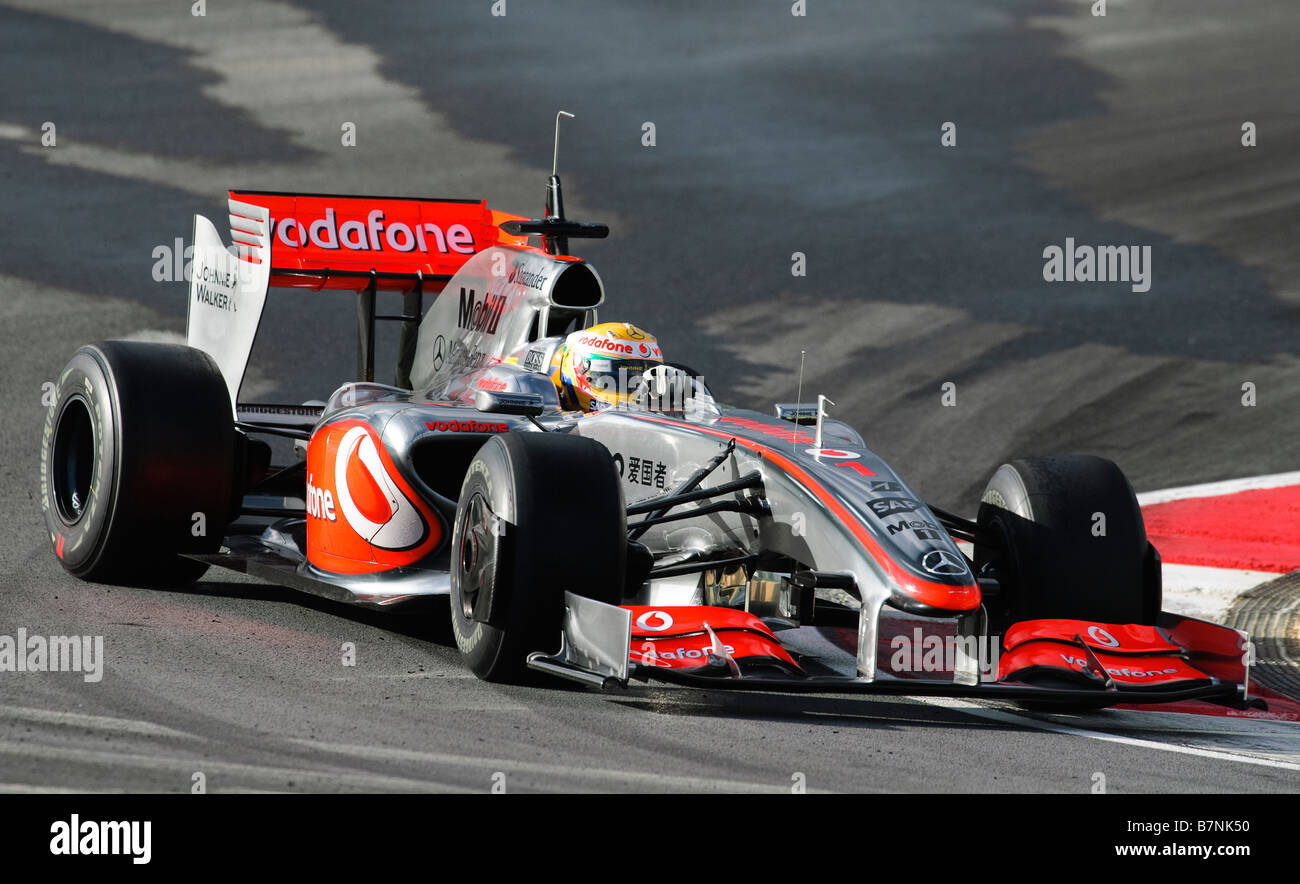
<point x="802" y="413"/>
<point x="525" y="404"/>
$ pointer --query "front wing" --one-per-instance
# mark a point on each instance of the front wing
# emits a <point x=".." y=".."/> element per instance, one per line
<point x="1050" y="661"/>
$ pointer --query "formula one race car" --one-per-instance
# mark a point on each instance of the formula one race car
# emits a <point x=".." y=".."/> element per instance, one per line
<point x="649" y="535"/>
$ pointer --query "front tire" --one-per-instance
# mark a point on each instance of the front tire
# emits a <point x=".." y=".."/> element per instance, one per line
<point x="1065" y="537"/>
<point x="539" y="514"/>
<point x="137" y="462"/>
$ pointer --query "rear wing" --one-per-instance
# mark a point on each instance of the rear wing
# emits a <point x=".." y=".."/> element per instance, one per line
<point x="319" y="241"/>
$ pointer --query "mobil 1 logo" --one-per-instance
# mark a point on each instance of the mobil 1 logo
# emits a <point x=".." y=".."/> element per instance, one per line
<point x="922" y="529"/>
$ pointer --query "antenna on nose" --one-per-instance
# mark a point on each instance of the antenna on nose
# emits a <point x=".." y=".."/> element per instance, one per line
<point x="556" y="245"/>
<point x="554" y="228"/>
<point x="555" y="159"/>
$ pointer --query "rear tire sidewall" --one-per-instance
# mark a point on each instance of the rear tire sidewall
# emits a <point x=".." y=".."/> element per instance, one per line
<point x="163" y="447"/>
<point x="80" y="542"/>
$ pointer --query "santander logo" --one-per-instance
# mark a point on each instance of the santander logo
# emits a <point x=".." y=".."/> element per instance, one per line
<point x="367" y="498"/>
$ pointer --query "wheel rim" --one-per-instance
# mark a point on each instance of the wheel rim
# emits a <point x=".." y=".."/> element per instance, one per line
<point x="72" y="460"/>
<point x="476" y="559"/>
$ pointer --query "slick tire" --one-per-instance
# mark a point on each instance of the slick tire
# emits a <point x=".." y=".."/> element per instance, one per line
<point x="137" y="462"/>
<point x="538" y="514"/>
<point x="1066" y="539"/>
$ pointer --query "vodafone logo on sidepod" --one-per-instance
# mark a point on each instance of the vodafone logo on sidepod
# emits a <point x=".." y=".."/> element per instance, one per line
<point x="367" y="498"/>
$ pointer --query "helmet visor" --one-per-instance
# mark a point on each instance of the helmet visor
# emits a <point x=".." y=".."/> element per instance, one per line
<point x="612" y="378"/>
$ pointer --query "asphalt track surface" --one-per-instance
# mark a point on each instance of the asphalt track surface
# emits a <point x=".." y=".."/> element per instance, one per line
<point x="774" y="134"/>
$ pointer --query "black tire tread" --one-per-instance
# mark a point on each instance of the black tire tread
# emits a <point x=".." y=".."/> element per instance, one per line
<point x="1055" y="566"/>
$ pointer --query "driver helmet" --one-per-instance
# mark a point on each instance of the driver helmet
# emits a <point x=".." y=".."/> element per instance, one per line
<point x="603" y="366"/>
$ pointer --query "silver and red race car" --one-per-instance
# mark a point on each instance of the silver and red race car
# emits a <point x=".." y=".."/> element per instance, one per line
<point x="669" y="538"/>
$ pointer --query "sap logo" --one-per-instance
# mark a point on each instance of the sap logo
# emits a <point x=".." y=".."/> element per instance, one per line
<point x="320" y="501"/>
<point x="887" y="506"/>
<point x="480" y="316"/>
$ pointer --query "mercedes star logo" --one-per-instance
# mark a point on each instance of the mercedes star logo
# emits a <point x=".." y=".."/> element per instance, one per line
<point x="941" y="561"/>
<point x="438" y="355"/>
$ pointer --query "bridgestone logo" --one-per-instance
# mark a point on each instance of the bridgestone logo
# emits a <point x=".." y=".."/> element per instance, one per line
<point x="299" y="410"/>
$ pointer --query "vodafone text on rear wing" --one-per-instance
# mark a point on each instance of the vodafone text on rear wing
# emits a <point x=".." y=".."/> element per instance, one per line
<point x="341" y="242"/>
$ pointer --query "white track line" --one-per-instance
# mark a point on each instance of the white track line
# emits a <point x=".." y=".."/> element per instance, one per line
<point x="1217" y="489"/>
<point x="221" y="773"/>
<point x="446" y="759"/>
<point x="31" y="789"/>
<point x="91" y="722"/>
<point x="1207" y="593"/>
<point x="1024" y="721"/>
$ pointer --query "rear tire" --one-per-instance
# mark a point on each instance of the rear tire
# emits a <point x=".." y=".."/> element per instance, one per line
<point x="137" y="462"/>
<point x="569" y="533"/>
<point x="1048" y="550"/>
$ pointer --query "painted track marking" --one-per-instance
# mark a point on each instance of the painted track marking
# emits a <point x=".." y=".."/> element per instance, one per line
<point x="1005" y="717"/>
